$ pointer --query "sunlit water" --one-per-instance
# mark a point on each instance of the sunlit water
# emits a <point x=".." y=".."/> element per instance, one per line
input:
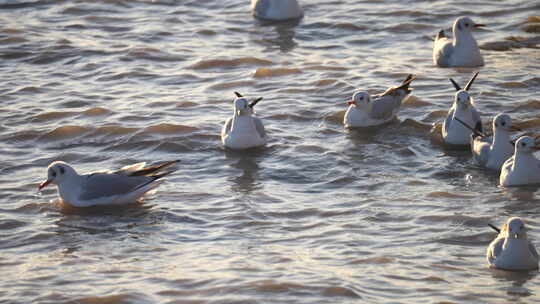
<point x="321" y="215"/>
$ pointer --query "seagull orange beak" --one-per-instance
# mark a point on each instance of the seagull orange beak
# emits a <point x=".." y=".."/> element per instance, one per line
<point x="351" y="102"/>
<point x="44" y="184"/>
<point x="479" y="25"/>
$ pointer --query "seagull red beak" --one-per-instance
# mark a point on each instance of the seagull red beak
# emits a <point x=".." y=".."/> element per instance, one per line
<point x="351" y="102"/>
<point x="44" y="184"/>
<point x="479" y="25"/>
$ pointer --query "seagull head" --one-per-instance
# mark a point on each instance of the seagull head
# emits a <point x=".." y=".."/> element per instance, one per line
<point x="464" y="25"/>
<point x="57" y="172"/>
<point x="526" y="144"/>
<point x="361" y="100"/>
<point x="463" y="99"/>
<point x="515" y="228"/>
<point x="241" y="106"/>
<point x="504" y="122"/>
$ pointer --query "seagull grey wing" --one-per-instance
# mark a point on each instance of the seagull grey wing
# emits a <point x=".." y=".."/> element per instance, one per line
<point x="260" y="127"/>
<point x="477" y="120"/>
<point x="385" y="107"/>
<point x="100" y="185"/>
<point x="226" y="127"/>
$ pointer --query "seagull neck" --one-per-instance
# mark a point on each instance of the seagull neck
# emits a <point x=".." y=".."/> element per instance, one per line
<point x="500" y="137"/>
<point x="464" y="39"/>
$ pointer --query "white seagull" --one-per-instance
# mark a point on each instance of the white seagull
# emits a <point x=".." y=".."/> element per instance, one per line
<point x="523" y="168"/>
<point x="463" y="51"/>
<point x="493" y="152"/>
<point x="243" y="130"/>
<point x="511" y="250"/>
<point x="367" y="111"/>
<point x="120" y="187"/>
<point x="276" y="10"/>
<point x="462" y="113"/>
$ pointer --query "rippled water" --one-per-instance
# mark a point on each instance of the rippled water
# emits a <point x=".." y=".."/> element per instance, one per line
<point x="321" y="215"/>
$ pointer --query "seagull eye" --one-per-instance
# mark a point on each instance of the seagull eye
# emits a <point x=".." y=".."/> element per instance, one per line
<point x="466" y="24"/>
<point x="53" y="174"/>
<point x="523" y="144"/>
<point x="503" y="123"/>
<point x="62" y="170"/>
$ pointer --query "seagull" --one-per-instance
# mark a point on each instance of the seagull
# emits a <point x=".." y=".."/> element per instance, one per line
<point x="462" y="51"/>
<point x="463" y="111"/>
<point x="522" y="168"/>
<point x="367" y="111"/>
<point x="243" y="130"/>
<point x="119" y="187"/>
<point x="493" y="152"/>
<point x="276" y="10"/>
<point x="511" y="250"/>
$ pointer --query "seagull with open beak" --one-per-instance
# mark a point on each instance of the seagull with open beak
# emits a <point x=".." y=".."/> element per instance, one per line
<point x="462" y="113"/>
<point x="523" y="168"/>
<point x="463" y="51"/>
<point x="368" y="111"/>
<point x="243" y="130"/>
<point x="511" y="250"/>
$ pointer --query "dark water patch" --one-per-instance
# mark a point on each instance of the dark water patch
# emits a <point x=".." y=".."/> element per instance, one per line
<point x="65" y="132"/>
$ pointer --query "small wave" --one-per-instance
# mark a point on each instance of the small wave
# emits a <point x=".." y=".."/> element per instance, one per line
<point x="268" y="72"/>
<point x="416" y="102"/>
<point x="229" y="85"/>
<point x="50" y="116"/>
<point x="97" y="111"/>
<point x="374" y="260"/>
<point x="65" y="132"/>
<point x="217" y="63"/>
<point x="166" y="128"/>
<point x="115" y="130"/>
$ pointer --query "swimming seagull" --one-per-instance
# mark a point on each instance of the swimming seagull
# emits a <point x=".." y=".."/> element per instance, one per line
<point x="463" y="51"/>
<point x="366" y="111"/>
<point x="511" y="250"/>
<point x="493" y="152"/>
<point x="454" y="132"/>
<point x="276" y="10"/>
<point x="523" y="168"/>
<point x="119" y="187"/>
<point x="243" y="130"/>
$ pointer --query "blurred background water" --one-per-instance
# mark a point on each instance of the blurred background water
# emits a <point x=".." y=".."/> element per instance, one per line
<point x="321" y="215"/>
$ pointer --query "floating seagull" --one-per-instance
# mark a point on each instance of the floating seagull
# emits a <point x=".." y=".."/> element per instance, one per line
<point x="523" y="168"/>
<point x="367" y="111"/>
<point x="454" y="132"/>
<point x="493" y="152"/>
<point x="243" y="130"/>
<point x="511" y="250"/>
<point x="276" y="10"/>
<point x="462" y="51"/>
<point x="120" y="187"/>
